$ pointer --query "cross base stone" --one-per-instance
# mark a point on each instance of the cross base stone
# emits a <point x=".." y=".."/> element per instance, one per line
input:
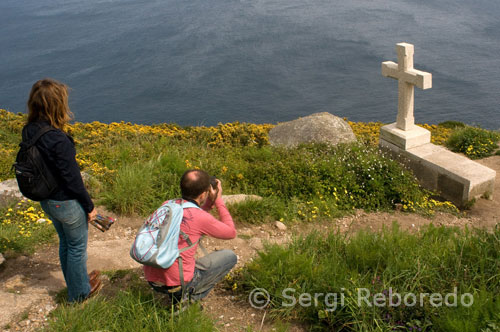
<point x="453" y="176"/>
<point x="405" y="139"/>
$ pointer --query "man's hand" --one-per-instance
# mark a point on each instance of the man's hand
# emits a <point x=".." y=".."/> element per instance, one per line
<point x="92" y="215"/>
<point x="215" y="194"/>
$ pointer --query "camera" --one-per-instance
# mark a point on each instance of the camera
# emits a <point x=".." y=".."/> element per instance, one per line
<point x="102" y="223"/>
<point x="213" y="182"/>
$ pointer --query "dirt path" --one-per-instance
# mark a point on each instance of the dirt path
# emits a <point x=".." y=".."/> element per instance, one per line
<point x="28" y="284"/>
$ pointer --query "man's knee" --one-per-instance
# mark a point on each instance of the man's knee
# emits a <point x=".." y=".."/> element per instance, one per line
<point x="228" y="256"/>
<point x="221" y="258"/>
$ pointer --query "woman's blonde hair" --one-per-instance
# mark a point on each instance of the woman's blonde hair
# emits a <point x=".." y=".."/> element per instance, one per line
<point x="49" y="101"/>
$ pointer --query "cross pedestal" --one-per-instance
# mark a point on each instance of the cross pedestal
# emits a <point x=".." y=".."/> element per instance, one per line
<point x="404" y="133"/>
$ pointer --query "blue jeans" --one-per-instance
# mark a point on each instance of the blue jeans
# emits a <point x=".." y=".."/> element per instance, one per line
<point x="70" y="222"/>
<point x="209" y="270"/>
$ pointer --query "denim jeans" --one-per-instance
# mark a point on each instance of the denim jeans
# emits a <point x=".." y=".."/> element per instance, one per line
<point x="70" y="222"/>
<point x="209" y="270"/>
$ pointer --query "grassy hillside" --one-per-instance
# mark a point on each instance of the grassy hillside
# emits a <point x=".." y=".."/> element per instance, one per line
<point x="133" y="168"/>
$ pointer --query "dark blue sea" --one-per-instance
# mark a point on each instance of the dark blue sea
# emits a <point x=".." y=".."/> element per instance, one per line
<point x="200" y="62"/>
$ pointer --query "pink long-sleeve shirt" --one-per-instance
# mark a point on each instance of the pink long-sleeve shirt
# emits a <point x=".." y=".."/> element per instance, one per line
<point x="195" y="223"/>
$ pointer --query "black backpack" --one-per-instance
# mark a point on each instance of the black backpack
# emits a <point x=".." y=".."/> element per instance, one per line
<point x="34" y="177"/>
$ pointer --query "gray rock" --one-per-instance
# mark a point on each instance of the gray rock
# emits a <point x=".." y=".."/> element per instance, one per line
<point x="2" y="259"/>
<point x="9" y="192"/>
<point x="279" y="225"/>
<point x="316" y="128"/>
<point x="234" y="199"/>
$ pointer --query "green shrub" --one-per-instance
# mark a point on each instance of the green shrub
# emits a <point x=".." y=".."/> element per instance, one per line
<point x="332" y="179"/>
<point x="452" y="124"/>
<point x="474" y="142"/>
<point x="435" y="260"/>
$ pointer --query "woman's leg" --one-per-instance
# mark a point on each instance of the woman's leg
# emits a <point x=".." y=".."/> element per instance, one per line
<point x="71" y="224"/>
<point x="63" y="246"/>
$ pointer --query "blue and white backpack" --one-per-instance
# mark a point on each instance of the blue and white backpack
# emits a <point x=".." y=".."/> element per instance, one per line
<point x="157" y="241"/>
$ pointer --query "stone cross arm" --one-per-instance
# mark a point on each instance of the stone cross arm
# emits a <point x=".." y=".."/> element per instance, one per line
<point x="420" y="79"/>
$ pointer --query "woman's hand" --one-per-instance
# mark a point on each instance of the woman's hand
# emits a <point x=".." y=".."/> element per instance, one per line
<point x="92" y="215"/>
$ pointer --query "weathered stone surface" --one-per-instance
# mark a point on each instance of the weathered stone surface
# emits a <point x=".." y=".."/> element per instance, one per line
<point x="279" y="225"/>
<point x="453" y="176"/>
<point x="316" y="128"/>
<point x="9" y="192"/>
<point x="407" y="77"/>
<point x="405" y="139"/>
<point x="234" y="199"/>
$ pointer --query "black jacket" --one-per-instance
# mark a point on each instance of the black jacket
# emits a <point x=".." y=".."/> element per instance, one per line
<point x="59" y="152"/>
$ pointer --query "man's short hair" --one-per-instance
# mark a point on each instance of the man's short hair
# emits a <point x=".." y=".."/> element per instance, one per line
<point x="194" y="182"/>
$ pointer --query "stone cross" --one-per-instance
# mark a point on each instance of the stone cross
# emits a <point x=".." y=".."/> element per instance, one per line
<point x="407" y="77"/>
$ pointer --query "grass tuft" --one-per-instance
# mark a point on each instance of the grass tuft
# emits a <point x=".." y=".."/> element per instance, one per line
<point x="435" y="260"/>
<point x="132" y="307"/>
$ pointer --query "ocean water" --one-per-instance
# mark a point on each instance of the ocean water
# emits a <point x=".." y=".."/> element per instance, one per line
<point x="202" y="62"/>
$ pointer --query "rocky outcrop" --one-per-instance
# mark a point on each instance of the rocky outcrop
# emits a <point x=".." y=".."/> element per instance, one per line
<point x="316" y="128"/>
<point x="234" y="199"/>
<point x="9" y="192"/>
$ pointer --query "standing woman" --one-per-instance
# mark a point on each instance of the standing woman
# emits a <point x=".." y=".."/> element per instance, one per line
<point x="69" y="206"/>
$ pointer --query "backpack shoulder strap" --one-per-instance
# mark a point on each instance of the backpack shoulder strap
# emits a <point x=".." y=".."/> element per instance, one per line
<point x="188" y="204"/>
<point x="42" y="131"/>
<point x="185" y="204"/>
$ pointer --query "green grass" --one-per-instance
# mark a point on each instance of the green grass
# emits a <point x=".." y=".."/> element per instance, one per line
<point x="435" y="260"/>
<point x="334" y="179"/>
<point x="126" y="304"/>
<point x="128" y="311"/>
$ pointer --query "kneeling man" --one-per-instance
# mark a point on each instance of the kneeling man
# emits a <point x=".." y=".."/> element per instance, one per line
<point x="199" y="276"/>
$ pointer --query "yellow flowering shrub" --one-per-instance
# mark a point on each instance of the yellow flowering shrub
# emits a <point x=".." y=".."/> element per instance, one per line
<point x="369" y="132"/>
<point x="439" y="134"/>
<point x="429" y="206"/>
<point x="23" y="225"/>
<point x="366" y="132"/>
<point x="234" y="134"/>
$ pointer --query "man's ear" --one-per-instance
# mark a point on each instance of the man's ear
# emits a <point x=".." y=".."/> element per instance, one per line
<point x="203" y="196"/>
